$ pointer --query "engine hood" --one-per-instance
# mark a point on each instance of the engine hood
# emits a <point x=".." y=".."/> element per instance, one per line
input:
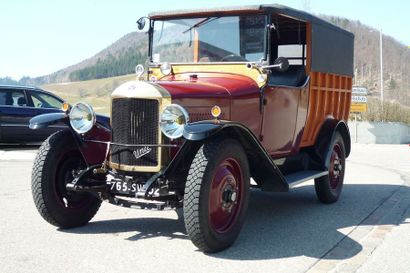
<point x="207" y="85"/>
<point x="199" y="92"/>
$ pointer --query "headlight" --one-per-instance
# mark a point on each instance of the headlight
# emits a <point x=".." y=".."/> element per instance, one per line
<point x="173" y="120"/>
<point x="165" y="68"/>
<point x="82" y="117"/>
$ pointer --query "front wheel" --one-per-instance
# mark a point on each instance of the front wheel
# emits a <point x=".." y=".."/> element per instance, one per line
<point x="329" y="187"/>
<point x="55" y="165"/>
<point x="216" y="195"/>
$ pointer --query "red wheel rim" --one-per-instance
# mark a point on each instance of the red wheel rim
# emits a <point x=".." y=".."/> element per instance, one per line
<point x="336" y="166"/>
<point x="225" y="196"/>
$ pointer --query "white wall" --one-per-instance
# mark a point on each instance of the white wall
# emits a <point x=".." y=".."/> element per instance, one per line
<point x="380" y="132"/>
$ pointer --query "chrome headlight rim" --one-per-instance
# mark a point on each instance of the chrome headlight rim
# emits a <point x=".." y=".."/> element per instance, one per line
<point x="165" y="68"/>
<point x="181" y="128"/>
<point x="89" y="109"/>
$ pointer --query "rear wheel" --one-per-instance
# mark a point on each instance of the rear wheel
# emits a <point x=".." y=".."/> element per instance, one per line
<point x="216" y="195"/>
<point x="328" y="188"/>
<point x="55" y="165"/>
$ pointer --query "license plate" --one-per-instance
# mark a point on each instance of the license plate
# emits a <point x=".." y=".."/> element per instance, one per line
<point x="124" y="187"/>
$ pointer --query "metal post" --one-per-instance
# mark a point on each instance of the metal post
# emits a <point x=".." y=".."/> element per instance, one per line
<point x="355" y="127"/>
<point x="381" y="68"/>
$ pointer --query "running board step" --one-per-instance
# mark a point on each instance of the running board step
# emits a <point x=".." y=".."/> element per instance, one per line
<point x="303" y="176"/>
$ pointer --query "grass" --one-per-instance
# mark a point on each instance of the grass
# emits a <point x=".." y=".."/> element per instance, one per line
<point x="95" y="92"/>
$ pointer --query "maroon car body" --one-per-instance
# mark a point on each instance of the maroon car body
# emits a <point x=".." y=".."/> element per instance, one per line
<point x="230" y="94"/>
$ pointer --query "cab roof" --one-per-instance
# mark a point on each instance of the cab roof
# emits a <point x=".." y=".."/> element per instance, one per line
<point x="231" y="10"/>
<point x="328" y="42"/>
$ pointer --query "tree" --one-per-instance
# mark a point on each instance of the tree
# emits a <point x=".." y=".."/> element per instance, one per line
<point x="392" y="84"/>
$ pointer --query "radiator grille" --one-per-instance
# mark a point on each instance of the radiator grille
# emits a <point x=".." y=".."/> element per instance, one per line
<point x="134" y="121"/>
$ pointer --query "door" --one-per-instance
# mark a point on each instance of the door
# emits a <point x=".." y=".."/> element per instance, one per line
<point x="280" y="115"/>
<point x="14" y="116"/>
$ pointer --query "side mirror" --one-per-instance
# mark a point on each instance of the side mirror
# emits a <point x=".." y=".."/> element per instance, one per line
<point x="281" y="64"/>
<point x="143" y="24"/>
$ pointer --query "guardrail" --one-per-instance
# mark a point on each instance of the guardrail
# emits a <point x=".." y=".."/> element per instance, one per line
<point x="379" y="132"/>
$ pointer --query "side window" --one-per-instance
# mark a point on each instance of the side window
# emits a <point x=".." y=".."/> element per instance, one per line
<point x="13" y="98"/>
<point x="294" y="53"/>
<point x="42" y="100"/>
<point x="288" y="39"/>
<point x="3" y="98"/>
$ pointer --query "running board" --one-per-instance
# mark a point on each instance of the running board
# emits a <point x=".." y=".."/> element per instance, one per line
<point x="294" y="179"/>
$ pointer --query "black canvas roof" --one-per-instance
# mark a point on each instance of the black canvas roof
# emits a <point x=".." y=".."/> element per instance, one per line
<point x="271" y="8"/>
<point x="332" y="47"/>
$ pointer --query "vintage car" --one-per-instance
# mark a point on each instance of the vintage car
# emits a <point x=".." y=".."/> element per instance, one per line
<point x="230" y="94"/>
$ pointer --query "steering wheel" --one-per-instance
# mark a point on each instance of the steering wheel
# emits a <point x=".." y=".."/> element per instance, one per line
<point x="233" y="57"/>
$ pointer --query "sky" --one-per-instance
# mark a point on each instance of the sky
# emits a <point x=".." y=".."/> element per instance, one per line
<point x="40" y="37"/>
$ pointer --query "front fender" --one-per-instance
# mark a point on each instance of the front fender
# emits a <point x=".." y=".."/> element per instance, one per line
<point x="262" y="167"/>
<point x="93" y="153"/>
<point x="201" y="130"/>
<point x="45" y="120"/>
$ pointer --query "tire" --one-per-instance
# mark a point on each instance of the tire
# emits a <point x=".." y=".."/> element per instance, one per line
<point x="328" y="188"/>
<point x="216" y="195"/>
<point x="53" y="168"/>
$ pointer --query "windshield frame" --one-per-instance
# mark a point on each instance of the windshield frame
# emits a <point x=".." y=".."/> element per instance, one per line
<point x="266" y="35"/>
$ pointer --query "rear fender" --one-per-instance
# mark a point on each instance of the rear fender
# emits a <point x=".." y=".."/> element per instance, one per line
<point x="329" y="128"/>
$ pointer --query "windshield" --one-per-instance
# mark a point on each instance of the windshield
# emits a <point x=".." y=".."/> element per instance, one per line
<point x="210" y="39"/>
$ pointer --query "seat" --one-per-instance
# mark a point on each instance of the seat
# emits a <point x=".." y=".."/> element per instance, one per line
<point x="9" y="99"/>
<point x="21" y="101"/>
<point x="294" y="76"/>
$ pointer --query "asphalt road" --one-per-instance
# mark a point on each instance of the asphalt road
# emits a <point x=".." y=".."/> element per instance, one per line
<point x="367" y="230"/>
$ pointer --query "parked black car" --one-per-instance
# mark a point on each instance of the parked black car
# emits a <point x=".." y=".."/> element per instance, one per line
<point x="18" y="104"/>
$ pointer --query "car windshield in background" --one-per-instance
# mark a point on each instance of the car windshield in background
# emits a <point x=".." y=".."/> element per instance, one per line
<point x="210" y="39"/>
<point x="41" y="100"/>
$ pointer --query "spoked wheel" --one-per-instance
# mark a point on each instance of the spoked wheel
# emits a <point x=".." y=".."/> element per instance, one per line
<point x="329" y="187"/>
<point x="216" y="195"/>
<point x="56" y="164"/>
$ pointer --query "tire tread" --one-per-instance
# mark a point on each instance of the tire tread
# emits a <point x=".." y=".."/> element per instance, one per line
<point x="38" y="187"/>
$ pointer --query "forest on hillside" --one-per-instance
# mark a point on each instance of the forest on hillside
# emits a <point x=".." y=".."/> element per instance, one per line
<point x="396" y="61"/>
<point x="110" y="66"/>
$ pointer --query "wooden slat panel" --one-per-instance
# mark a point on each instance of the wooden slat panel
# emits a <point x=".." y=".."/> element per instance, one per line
<point x="325" y="92"/>
<point x="329" y="94"/>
